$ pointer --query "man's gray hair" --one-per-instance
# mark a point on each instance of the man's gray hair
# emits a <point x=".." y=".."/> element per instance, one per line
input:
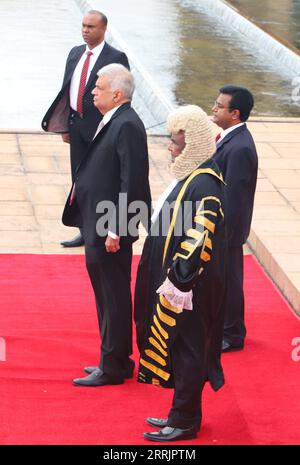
<point x="119" y="78"/>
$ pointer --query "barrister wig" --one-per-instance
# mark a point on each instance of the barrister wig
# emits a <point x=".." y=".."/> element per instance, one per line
<point x="199" y="138"/>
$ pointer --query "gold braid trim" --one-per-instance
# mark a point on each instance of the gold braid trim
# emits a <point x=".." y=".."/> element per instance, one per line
<point x="178" y="200"/>
<point x="160" y="328"/>
<point x="157" y="335"/>
<point x="157" y="346"/>
<point x="165" y="318"/>
<point x="156" y="357"/>
<point x="165" y="303"/>
<point x="161" y="373"/>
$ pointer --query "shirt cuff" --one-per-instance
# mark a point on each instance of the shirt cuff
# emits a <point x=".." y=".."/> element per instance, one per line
<point x="177" y="298"/>
<point x="113" y="235"/>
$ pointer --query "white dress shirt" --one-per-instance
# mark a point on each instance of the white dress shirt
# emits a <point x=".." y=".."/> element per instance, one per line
<point x="228" y="130"/>
<point x="75" y="80"/>
<point x="106" y="118"/>
<point x="162" y="198"/>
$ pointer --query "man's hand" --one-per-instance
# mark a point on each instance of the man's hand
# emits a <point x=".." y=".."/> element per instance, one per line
<point x="112" y="245"/>
<point x="66" y="137"/>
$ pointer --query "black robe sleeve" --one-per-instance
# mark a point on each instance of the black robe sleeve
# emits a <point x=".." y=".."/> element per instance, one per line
<point x="194" y="252"/>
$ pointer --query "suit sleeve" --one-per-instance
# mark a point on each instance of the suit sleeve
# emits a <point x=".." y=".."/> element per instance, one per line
<point x="196" y="247"/>
<point x="132" y="152"/>
<point x="124" y="60"/>
<point x="66" y="67"/>
<point x="239" y="176"/>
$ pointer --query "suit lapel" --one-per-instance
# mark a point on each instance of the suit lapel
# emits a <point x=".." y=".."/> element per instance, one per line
<point x="231" y="135"/>
<point x="74" y="61"/>
<point x="99" y="64"/>
<point x="122" y="108"/>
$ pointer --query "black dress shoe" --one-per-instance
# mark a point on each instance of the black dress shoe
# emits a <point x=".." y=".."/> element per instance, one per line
<point x="127" y="374"/>
<point x="157" y="422"/>
<point x="227" y="347"/>
<point x="76" y="242"/>
<point x="97" y="378"/>
<point x="169" y="433"/>
<point x="89" y="370"/>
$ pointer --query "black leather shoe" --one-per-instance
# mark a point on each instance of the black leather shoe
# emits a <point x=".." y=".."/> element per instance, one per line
<point x="127" y="374"/>
<point x="227" y="347"/>
<point x="90" y="370"/>
<point x="172" y="434"/>
<point x="157" y="422"/>
<point x="76" y="242"/>
<point x="97" y="378"/>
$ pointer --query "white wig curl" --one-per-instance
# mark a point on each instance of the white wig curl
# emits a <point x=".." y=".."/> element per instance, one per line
<point x="199" y="138"/>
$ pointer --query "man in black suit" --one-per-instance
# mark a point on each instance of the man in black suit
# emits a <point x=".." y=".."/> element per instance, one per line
<point x="237" y="158"/>
<point x="109" y="182"/>
<point x="73" y="113"/>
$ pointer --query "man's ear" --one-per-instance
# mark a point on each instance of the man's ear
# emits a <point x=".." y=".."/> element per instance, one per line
<point x="118" y="96"/>
<point x="235" y="114"/>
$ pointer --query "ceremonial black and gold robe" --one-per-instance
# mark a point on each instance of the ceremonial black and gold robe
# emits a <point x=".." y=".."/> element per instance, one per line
<point x="194" y="260"/>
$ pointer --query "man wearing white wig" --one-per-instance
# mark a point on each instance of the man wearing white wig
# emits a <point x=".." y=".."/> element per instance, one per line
<point x="180" y="281"/>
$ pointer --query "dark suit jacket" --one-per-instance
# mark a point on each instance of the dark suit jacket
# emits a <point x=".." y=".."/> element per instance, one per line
<point x="57" y="116"/>
<point x="237" y="158"/>
<point x="116" y="162"/>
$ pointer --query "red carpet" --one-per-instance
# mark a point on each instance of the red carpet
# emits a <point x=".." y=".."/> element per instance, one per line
<point x="48" y="321"/>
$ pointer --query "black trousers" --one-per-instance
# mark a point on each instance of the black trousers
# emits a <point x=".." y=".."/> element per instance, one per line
<point x="79" y="141"/>
<point x="234" y="325"/>
<point x="189" y="367"/>
<point x="110" y="275"/>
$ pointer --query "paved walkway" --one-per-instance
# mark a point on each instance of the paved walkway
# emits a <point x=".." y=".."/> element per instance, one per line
<point x="35" y="180"/>
<point x="34" y="184"/>
<point x="275" y="234"/>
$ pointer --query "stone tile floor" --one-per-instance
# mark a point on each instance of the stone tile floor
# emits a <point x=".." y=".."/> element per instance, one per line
<point x="35" y="180"/>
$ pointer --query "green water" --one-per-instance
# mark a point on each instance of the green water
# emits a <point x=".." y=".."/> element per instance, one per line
<point x="281" y="17"/>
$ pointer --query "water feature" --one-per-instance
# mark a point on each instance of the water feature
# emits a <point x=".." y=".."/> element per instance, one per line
<point x="188" y="53"/>
<point x="191" y="54"/>
<point x="281" y="18"/>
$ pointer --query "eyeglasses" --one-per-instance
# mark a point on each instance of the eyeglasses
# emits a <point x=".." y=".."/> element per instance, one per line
<point x="220" y="106"/>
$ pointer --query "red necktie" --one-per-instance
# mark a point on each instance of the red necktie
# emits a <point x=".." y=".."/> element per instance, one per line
<point x="82" y="82"/>
<point x="218" y="136"/>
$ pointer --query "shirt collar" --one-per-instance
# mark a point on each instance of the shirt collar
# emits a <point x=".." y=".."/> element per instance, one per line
<point x="96" y="50"/>
<point x="107" y="117"/>
<point x="228" y="130"/>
